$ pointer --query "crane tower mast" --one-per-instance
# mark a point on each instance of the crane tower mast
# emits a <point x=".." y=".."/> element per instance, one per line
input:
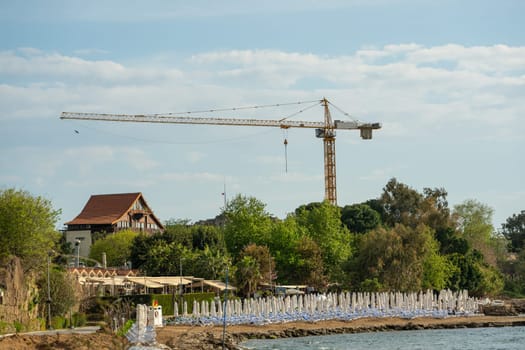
<point x="324" y="130"/>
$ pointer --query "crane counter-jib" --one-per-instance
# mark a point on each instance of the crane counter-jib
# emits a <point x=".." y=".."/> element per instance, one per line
<point x="170" y="119"/>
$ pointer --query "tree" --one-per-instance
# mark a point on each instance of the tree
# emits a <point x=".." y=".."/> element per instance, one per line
<point x="211" y="263"/>
<point x="178" y="231"/>
<point x="396" y="257"/>
<point x="265" y="262"/>
<point x="474" y="221"/>
<point x="246" y="222"/>
<point x="360" y="218"/>
<point x="434" y="209"/>
<point x="514" y="230"/>
<point x="62" y="292"/>
<point x="284" y="237"/>
<point x="400" y="204"/>
<point x="27" y="227"/>
<point x="207" y="236"/>
<point x="117" y="247"/>
<point x="323" y="224"/>
<point x="247" y="275"/>
<point x="437" y="269"/>
<point x="155" y="256"/>
<point x="308" y="268"/>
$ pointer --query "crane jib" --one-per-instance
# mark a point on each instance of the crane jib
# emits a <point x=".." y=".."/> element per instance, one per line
<point x="170" y="119"/>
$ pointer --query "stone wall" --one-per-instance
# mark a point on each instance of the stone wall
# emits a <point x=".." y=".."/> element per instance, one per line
<point x="18" y="308"/>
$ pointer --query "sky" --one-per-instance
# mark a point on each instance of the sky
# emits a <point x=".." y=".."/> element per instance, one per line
<point x="446" y="80"/>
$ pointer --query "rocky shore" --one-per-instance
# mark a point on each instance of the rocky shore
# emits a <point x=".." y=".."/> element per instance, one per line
<point x="210" y="337"/>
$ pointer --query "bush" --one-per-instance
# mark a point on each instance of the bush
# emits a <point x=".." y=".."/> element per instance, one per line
<point x="19" y="326"/>
<point x="6" y="327"/>
<point x="79" y="319"/>
<point x="125" y="328"/>
<point x="58" y="322"/>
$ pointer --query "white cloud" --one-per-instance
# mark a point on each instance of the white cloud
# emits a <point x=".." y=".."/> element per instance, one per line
<point x="195" y="157"/>
<point x="36" y="65"/>
<point x="191" y="177"/>
<point x="295" y="177"/>
<point x="407" y="87"/>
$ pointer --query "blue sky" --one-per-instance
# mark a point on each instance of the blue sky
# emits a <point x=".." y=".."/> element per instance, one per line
<point x="445" y="78"/>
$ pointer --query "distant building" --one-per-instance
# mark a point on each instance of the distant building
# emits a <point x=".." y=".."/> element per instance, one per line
<point x="111" y="213"/>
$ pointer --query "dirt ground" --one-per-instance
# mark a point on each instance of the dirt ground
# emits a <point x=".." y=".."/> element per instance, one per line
<point x="208" y="337"/>
<point x="99" y="341"/>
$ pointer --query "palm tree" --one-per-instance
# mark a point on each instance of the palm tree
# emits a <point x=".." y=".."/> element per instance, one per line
<point x="248" y="275"/>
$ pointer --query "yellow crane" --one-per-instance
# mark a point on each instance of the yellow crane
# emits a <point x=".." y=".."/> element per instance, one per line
<point x="324" y="130"/>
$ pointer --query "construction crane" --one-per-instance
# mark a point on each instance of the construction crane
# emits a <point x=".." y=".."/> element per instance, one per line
<point x="324" y="130"/>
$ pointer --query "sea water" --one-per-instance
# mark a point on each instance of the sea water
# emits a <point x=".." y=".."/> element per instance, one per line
<point x="504" y="338"/>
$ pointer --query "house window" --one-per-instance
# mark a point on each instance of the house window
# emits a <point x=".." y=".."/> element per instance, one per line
<point x="138" y="206"/>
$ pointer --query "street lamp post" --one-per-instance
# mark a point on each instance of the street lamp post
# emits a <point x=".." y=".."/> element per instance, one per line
<point x="180" y="275"/>
<point x="77" y="245"/>
<point x="48" y="301"/>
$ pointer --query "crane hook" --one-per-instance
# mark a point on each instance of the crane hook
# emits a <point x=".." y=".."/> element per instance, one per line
<point x="286" y="155"/>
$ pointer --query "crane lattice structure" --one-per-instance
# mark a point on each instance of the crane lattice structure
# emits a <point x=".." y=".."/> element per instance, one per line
<point x="325" y="130"/>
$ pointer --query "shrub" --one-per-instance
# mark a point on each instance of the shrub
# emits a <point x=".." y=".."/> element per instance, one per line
<point x="58" y="322"/>
<point x="125" y="328"/>
<point x="79" y="319"/>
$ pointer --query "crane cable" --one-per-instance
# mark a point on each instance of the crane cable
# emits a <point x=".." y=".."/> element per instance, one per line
<point x="233" y="108"/>
<point x="343" y="112"/>
<point x="285" y="135"/>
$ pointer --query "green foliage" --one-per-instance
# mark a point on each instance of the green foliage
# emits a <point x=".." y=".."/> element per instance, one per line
<point x="189" y="298"/>
<point x="178" y="232"/>
<point x="323" y="224"/>
<point x="58" y="322"/>
<point x="437" y="269"/>
<point x="164" y="300"/>
<point x="399" y="203"/>
<point x="27" y="227"/>
<point x="308" y="267"/>
<point x="467" y="274"/>
<point x="19" y="326"/>
<point x="475" y="225"/>
<point x="156" y="256"/>
<point x="360" y="218"/>
<point x="204" y="236"/>
<point x="248" y="275"/>
<point x="79" y="319"/>
<point x="451" y="241"/>
<point x="210" y="263"/>
<point x="492" y="282"/>
<point x="62" y="292"/>
<point x="117" y="247"/>
<point x="474" y="220"/>
<point x="125" y="328"/>
<point x="371" y="285"/>
<point x="265" y="262"/>
<point x="246" y="222"/>
<point x="514" y="230"/>
<point x="395" y="257"/>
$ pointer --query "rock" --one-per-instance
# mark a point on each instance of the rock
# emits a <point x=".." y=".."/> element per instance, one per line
<point x="499" y="310"/>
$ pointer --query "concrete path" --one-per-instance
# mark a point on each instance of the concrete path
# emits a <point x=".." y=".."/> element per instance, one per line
<point x="78" y="330"/>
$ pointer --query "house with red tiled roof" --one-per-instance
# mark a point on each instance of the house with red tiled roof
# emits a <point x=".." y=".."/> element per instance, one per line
<point x="110" y="213"/>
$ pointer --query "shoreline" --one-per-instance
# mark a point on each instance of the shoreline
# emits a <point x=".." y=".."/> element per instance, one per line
<point x="210" y="337"/>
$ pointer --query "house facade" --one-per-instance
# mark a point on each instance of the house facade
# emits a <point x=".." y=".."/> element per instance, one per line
<point x="110" y="213"/>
